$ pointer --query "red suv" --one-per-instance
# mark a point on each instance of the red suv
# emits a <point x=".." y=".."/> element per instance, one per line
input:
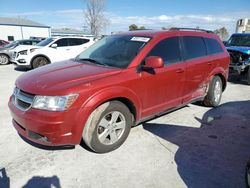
<point x="118" y="82"/>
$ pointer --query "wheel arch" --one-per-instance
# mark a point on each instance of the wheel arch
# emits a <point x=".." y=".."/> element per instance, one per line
<point x="39" y="55"/>
<point x="222" y="73"/>
<point x="1" y="53"/>
<point x="223" y="79"/>
<point x="123" y="95"/>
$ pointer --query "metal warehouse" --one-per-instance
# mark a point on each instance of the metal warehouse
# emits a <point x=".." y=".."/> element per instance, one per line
<point x="16" y="28"/>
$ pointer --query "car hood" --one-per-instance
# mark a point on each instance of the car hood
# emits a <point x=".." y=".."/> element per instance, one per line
<point x="242" y="49"/>
<point x="25" y="47"/>
<point x="62" y="77"/>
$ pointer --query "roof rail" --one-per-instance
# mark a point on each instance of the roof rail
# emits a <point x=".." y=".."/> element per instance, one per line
<point x="190" y="29"/>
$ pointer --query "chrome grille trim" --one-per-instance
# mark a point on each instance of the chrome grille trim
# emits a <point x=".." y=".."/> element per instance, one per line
<point x="22" y="100"/>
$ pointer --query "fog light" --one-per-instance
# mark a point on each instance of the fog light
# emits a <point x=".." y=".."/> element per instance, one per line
<point x="21" y="61"/>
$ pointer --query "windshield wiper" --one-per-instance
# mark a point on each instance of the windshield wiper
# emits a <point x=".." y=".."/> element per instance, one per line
<point x="93" y="61"/>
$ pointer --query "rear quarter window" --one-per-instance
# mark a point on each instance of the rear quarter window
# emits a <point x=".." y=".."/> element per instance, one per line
<point x="194" y="47"/>
<point x="213" y="46"/>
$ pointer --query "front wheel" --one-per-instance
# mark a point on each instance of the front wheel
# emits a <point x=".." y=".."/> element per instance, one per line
<point x="107" y="127"/>
<point x="39" y="62"/>
<point x="214" y="93"/>
<point x="4" y="59"/>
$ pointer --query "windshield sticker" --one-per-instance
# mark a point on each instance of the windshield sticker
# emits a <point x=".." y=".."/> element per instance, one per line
<point x="140" y="39"/>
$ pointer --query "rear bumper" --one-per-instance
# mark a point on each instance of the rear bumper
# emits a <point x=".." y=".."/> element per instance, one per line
<point x="46" y="128"/>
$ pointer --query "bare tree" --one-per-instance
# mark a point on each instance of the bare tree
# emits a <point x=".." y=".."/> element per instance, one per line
<point x="94" y="16"/>
<point x="222" y="32"/>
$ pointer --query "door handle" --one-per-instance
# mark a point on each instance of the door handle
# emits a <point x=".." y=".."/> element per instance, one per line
<point x="179" y="71"/>
<point x="209" y="63"/>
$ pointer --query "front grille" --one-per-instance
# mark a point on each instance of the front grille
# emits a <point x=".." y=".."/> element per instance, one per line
<point x="22" y="100"/>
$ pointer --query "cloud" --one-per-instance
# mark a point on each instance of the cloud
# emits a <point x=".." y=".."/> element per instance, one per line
<point x="74" y="18"/>
<point x="67" y="12"/>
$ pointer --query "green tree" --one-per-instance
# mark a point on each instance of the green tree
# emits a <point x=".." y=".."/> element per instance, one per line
<point x="135" y="27"/>
<point x="222" y="32"/>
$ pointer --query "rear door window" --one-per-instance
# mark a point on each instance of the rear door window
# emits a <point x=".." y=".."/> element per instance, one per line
<point x="194" y="47"/>
<point x="213" y="47"/>
<point x="168" y="49"/>
<point x="76" y="42"/>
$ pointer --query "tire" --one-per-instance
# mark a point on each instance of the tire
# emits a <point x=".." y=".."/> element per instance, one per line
<point x="39" y="62"/>
<point x="100" y="134"/>
<point x="214" y="94"/>
<point x="4" y="59"/>
<point x="248" y="75"/>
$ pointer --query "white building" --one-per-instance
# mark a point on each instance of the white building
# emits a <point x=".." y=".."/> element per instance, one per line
<point x="243" y="26"/>
<point x="15" y="29"/>
<point x="68" y="32"/>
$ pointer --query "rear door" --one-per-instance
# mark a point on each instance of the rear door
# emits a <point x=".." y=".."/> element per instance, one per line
<point x="198" y="67"/>
<point x="77" y="45"/>
<point x="163" y="88"/>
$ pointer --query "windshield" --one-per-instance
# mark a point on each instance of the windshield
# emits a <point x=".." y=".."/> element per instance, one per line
<point x="45" y="42"/>
<point x="237" y="40"/>
<point x="115" y="51"/>
<point x="13" y="44"/>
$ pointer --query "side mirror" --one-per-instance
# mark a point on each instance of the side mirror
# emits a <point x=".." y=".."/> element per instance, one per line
<point x="225" y="43"/>
<point x="54" y="45"/>
<point x="153" y="62"/>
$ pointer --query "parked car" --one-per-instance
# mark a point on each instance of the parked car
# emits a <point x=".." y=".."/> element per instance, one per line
<point x="238" y="47"/>
<point x="50" y="50"/>
<point x="120" y="81"/>
<point x="7" y="50"/>
<point x="3" y="43"/>
<point x="248" y="174"/>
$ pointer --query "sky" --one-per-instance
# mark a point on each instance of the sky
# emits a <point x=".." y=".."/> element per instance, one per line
<point x="207" y="14"/>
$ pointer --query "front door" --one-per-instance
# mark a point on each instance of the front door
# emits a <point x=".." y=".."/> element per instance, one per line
<point x="162" y="88"/>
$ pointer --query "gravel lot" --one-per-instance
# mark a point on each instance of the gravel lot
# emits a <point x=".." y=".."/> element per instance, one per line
<point x="191" y="147"/>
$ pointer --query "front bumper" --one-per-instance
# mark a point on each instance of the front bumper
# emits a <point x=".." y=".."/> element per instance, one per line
<point x="238" y="67"/>
<point x="45" y="127"/>
<point x="21" y="60"/>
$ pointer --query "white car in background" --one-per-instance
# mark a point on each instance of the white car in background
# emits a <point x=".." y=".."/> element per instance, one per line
<point x="50" y="50"/>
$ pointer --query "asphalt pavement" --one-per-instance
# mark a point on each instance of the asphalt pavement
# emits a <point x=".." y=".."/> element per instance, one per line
<point x="192" y="147"/>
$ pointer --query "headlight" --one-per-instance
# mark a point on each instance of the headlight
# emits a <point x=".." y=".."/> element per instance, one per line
<point x="24" y="52"/>
<point x="54" y="103"/>
<point x="32" y="50"/>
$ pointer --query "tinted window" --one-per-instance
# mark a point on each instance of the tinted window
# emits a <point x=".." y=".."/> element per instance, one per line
<point x="62" y="42"/>
<point x="194" y="47"/>
<point x="239" y="40"/>
<point x="26" y="42"/>
<point x="168" y="49"/>
<point x="45" y="42"/>
<point x="213" y="46"/>
<point x="76" y="42"/>
<point x="115" y="50"/>
<point x="35" y="42"/>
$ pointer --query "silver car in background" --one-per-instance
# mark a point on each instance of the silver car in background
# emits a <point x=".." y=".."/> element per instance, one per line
<point x="6" y="51"/>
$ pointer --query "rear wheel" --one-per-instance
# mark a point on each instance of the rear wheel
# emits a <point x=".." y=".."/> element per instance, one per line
<point x="4" y="59"/>
<point x="248" y="76"/>
<point x="214" y="94"/>
<point x="107" y="127"/>
<point x="39" y="62"/>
